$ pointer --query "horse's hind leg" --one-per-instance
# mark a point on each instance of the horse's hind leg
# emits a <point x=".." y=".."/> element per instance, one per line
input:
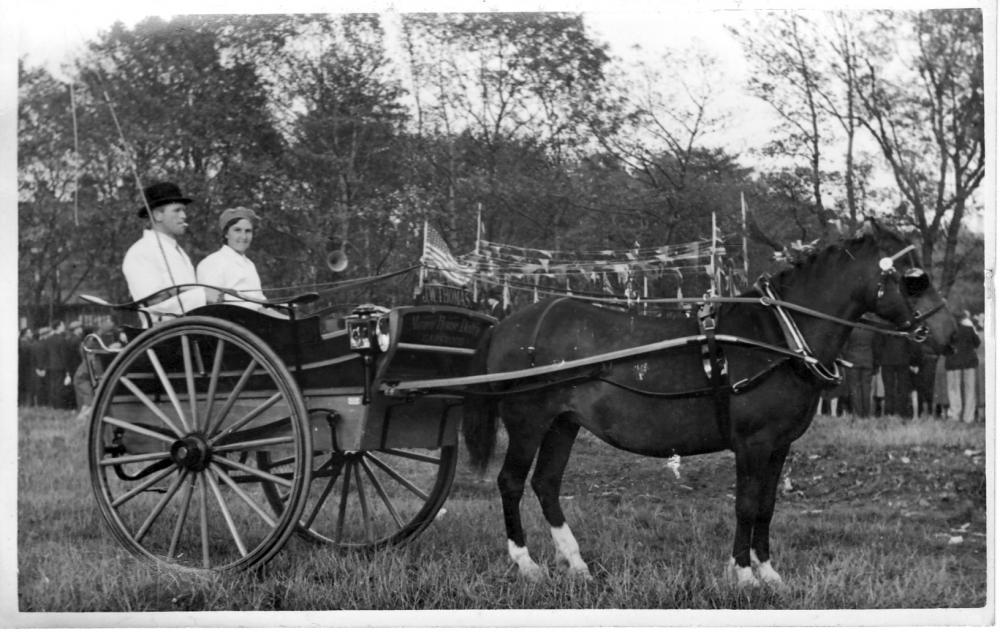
<point x="547" y="481"/>
<point x="760" y="548"/>
<point x="521" y="449"/>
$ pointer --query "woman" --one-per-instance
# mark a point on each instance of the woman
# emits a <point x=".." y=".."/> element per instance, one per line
<point x="229" y="267"/>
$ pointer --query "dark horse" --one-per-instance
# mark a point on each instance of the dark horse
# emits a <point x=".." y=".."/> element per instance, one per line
<point x="667" y="403"/>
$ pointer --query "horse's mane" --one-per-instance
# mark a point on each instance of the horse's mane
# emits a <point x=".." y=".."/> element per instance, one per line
<point x="820" y="255"/>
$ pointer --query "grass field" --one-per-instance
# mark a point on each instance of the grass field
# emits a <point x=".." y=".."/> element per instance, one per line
<point x="875" y="514"/>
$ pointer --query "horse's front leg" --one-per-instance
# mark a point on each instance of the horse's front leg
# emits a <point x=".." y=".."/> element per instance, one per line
<point x="760" y="550"/>
<point x="751" y="466"/>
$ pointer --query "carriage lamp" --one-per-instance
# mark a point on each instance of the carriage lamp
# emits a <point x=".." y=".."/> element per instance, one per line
<point x="360" y="334"/>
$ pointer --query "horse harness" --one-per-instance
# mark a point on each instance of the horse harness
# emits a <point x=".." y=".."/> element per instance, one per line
<point x="913" y="281"/>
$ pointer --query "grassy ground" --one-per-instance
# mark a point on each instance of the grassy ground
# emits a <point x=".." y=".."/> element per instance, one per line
<point x="875" y="514"/>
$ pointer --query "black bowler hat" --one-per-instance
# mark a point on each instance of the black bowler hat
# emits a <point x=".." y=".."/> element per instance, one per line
<point x="159" y="194"/>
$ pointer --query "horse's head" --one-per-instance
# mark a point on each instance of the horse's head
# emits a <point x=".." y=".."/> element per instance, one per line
<point x="901" y="292"/>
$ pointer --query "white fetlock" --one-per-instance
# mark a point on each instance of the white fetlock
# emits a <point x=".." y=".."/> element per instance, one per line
<point x="568" y="557"/>
<point x="764" y="570"/>
<point x="526" y="566"/>
<point x="742" y="576"/>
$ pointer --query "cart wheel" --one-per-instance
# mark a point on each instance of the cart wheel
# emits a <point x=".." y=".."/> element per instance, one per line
<point x="370" y="499"/>
<point x="175" y="420"/>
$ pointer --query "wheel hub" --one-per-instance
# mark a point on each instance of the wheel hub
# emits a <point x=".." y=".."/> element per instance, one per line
<point x="192" y="452"/>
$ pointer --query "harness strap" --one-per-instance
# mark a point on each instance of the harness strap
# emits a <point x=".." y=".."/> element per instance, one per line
<point x="538" y="327"/>
<point x="794" y="338"/>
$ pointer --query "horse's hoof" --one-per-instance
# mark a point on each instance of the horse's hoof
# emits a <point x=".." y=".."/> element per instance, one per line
<point x="769" y="576"/>
<point x="581" y="574"/>
<point x="533" y="574"/>
<point x="742" y="576"/>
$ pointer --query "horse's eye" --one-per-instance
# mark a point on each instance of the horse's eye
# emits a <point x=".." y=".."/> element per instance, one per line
<point x="915" y="282"/>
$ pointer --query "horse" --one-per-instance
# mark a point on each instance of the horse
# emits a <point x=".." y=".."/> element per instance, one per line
<point x="753" y="399"/>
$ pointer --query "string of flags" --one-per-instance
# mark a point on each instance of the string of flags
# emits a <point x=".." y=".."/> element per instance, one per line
<point x="609" y="272"/>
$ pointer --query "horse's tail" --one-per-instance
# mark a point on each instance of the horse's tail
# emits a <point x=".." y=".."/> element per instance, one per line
<point x="479" y="422"/>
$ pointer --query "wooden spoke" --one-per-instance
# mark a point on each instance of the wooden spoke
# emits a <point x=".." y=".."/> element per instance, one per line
<point x="182" y="518"/>
<point x="233" y="396"/>
<point x="168" y="387"/>
<point x="250" y="416"/>
<point x="345" y="492"/>
<point x="254" y="443"/>
<point x="149" y="432"/>
<point x="221" y="473"/>
<point x="203" y="519"/>
<point x="366" y="517"/>
<point x="260" y="474"/>
<point x="158" y="509"/>
<point x="380" y="490"/>
<point x="151" y="406"/>
<point x="320" y="502"/>
<point x="399" y="478"/>
<point x="213" y="381"/>
<point x="134" y="458"/>
<point x="230" y="523"/>
<point x="189" y="378"/>
<point x="413" y="456"/>
<point x="138" y="489"/>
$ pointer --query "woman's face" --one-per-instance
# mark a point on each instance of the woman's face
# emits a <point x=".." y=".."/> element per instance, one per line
<point x="239" y="235"/>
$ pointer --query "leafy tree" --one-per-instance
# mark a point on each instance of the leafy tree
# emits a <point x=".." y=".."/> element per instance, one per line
<point x="929" y="124"/>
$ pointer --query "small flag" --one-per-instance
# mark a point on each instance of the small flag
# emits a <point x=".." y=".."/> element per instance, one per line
<point x="438" y="257"/>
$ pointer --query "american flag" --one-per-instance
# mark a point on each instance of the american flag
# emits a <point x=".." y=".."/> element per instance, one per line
<point x="438" y="257"/>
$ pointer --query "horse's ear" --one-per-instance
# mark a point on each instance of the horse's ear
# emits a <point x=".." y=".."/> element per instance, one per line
<point x="869" y="227"/>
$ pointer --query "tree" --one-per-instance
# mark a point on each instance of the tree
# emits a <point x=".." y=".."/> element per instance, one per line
<point x="929" y="124"/>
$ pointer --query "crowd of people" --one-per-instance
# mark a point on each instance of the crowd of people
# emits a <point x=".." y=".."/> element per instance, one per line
<point x="891" y="375"/>
<point x="51" y="369"/>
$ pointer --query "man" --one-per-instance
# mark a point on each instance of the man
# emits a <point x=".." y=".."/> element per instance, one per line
<point x="961" y="367"/>
<point x="895" y="356"/>
<point x="157" y="262"/>
<point x="860" y="352"/>
<point x="56" y="368"/>
<point x="39" y="360"/>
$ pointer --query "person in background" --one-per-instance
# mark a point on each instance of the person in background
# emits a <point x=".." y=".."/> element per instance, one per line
<point x="979" y="323"/>
<point x="39" y="361"/>
<point x="860" y="352"/>
<point x="25" y="370"/>
<point x="924" y="380"/>
<point x="229" y="267"/>
<point x="961" y="367"/>
<point x="81" y="378"/>
<point x="57" y="371"/>
<point x="895" y="356"/>
<point x="157" y="262"/>
<point x="71" y="347"/>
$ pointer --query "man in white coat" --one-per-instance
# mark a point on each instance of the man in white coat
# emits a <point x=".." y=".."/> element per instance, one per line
<point x="157" y="262"/>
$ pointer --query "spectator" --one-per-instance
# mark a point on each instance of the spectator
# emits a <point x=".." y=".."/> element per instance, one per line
<point x="39" y="360"/>
<point x="57" y="371"/>
<point x="961" y="367"/>
<point x="25" y="370"/>
<point x="924" y="381"/>
<point x="860" y="352"/>
<point x="980" y="371"/>
<point x="898" y="359"/>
